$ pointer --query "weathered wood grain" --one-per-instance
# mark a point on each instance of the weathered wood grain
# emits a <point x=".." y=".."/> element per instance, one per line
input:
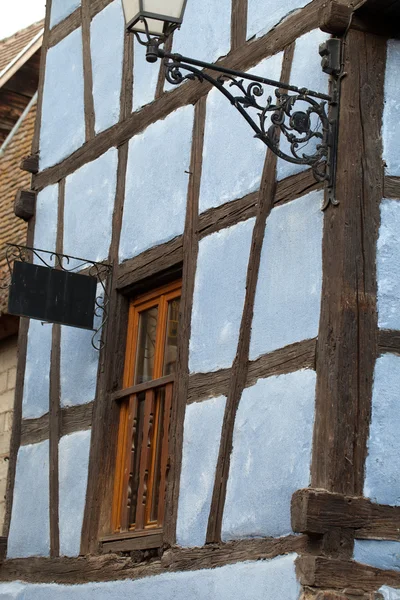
<point x="151" y="262"/>
<point x="109" y="567"/>
<point x="42" y="70"/>
<point x="322" y="572"/>
<point x="72" y="419"/>
<point x="190" y="251"/>
<point x="208" y="385"/>
<point x="25" y="204"/>
<point x="87" y="71"/>
<point x="240" y="364"/>
<point x="295" y="186"/>
<point x="389" y="341"/>
<point x="30" y="164"/>
<point x="238" y="23"/>
<point x="301" y="355"/>
<point x="126" y="97"/>
<point x="392" y="187"/>
<point x="228" y="214"/>
<point x="242" y="58"/>
<point x="97" y="516"/>
<point x="317" y="512"/>
<point x="347" y="346"/>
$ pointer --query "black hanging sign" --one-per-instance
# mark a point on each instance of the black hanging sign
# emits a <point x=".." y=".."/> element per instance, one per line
<point x="52" y="295"/>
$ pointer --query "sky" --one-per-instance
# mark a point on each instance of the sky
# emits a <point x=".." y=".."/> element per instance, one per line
<point x="17" y="14"/>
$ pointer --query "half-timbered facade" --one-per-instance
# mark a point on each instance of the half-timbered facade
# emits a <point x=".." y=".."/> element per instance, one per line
<point x="235" y="433"/>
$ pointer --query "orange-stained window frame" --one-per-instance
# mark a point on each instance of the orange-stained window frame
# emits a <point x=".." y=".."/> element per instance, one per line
<point x="120" y="513"/>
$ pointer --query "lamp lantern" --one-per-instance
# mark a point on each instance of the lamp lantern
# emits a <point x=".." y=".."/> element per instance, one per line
<point x="153" y="17"/>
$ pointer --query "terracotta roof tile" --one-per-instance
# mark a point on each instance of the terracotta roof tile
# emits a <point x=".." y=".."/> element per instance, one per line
<point x="12" y="179"/>
<point x="10" y="47"/>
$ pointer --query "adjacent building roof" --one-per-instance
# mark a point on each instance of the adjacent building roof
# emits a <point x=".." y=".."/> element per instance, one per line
<point x="19" y="74"/>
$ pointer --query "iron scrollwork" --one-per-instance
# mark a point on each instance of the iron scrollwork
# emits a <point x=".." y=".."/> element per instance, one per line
<point x="301" y="119"/>
<point x="55" y="260"/>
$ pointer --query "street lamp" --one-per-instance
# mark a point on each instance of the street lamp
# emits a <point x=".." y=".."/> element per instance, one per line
<point x="311" y="131"/>
<point x="155" y="17"/>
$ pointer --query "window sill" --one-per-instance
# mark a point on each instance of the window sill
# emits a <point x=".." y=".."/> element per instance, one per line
<point x="125" y="542"/>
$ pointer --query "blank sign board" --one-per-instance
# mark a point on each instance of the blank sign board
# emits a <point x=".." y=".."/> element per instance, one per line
<point x="52" y="295"/>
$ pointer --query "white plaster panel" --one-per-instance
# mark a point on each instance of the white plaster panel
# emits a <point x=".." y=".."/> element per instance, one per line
<point x="262" y="580"/>
<point x="11" y="591"/>
<point x="381" y="554"/>
<point x="206" y="30"/>
<point x="89" y="206"/>
<point x="60" y="9"/>
<point x="306" y="72"/>
<point x="219" y="294"/>
<point x="233" y="159"/>
<point x="30" y="530"/>
<point x="145" y="77"/>
<point x="391" y="113"/>
<point x="382" y="478"/>
<point x="271" y="455"/>
<point x="390" y="593"/>
<point x="63" y="118"/>
<point x="288" y="296"/>
<point x="46" y="216"/>
<point x="73" y="473"/>
<point x="202" y="435"/>
<point x="35" y="401"/>
<point x="78" y="366"/>
<point x="388" y="266"/>
<point x="156" y="183"/>
<point x="107" y="32"/>
<point x="263" y="15"/>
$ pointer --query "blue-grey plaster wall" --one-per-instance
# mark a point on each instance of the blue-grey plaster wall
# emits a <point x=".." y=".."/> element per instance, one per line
<point x="382" y="554"/>
<point x="29" y="530"/>
<point x="46" y="215"/>
<point x="89" y="206"/>
<point x="262" y="580"/>
<point x="388" y="266"/>
<point x="35" y="401"/>
<point x="390" y="593"/>
<point x="271" y="455"/>
<point x="382" y="478"/>
<point x="73" y="473"/>
<point x="145" y="77"/>
<point x="263" y="15"/>
<point x="60" y="9"/>
<point x="206" y="30"/>
<point x="202" y="435"/>
<point x="391" y="113"/>
<point x="107" y="32"/>
<point x="63" y="120"/>
<point x="233" y="159"/>
<point x="79" y="362"/>
<point x="306" y="72"/>
<point x="156" y="188"/>
<point x="219" y="294"/>
<point x="288" y="296"/>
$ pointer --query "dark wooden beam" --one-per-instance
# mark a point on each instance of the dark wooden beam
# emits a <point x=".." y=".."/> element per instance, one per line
<point x="392" y="187"/>
<point x="335" y="17"/>
<point x="25" y="204"/>
<point x="320" y="572"/>
<point x="110" y="567"/>
<point x="389" y="341"/>
<point x="30" y="163"/>
<point x="318" y="512"/>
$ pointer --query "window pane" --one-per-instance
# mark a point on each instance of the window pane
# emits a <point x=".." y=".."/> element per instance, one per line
<point x="146" y="347"/>
<point x="171" y="342"/>
<point x="156" y="459"/>
<point x="137" y="443"/>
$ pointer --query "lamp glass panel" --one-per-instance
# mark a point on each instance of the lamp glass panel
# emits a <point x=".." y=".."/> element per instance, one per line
<point x="131" y="9"/>
<point x="166" y="8"/>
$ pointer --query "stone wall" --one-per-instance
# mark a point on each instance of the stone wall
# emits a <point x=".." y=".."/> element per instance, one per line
<point x="8" y="366"/>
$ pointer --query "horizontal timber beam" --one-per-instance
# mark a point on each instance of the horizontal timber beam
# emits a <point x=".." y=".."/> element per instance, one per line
<point x="392" y="187"/>
<point x="322" y="572"/>
<point x="318" y="512"/>
<point x="73" y="418"/>
<point x="389" y="341"/>
<point x="109" y="567"/>
<point x="242" y="58"/>
<point x="300" y="355"/>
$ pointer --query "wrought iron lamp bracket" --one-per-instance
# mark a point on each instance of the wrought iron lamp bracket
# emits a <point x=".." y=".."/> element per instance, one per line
<point x="55" y="260"/>
<point x="299" y="127"/>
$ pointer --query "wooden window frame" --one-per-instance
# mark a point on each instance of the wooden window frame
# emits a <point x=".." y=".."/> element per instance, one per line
<point x="148" y="535"/>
